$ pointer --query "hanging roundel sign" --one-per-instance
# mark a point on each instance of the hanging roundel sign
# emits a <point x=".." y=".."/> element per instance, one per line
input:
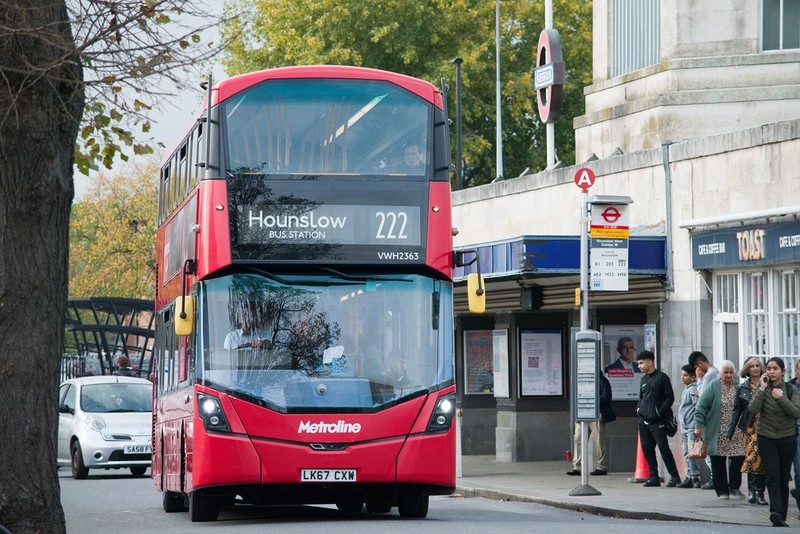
<point x="548" y="78"/>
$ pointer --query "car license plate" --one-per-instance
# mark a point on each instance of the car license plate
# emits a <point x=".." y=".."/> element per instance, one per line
<point x="328" y="475"/>
<point x="138" y="449"/>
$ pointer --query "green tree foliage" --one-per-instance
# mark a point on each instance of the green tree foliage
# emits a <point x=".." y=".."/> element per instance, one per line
<point x="420" y="38"/>
<point x="112" y="235"/>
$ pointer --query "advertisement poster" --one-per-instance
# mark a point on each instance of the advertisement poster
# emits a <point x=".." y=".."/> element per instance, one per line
<point x="621" y="344"/>
<point x="542" y="363"/>
<point x="478" y="362"/>
<point x="500" y="353"/>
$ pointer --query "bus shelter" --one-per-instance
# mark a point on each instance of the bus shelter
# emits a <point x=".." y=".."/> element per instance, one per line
<point x="101" y="329"/>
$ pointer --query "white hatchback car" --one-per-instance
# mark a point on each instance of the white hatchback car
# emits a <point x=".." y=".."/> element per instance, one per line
<point x="105" y="422"/>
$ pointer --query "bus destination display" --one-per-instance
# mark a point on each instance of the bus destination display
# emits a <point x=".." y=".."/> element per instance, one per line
<point x="329" y="224"/>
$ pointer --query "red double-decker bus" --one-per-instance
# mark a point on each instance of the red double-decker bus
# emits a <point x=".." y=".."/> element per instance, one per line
<point x="304" y="325"/>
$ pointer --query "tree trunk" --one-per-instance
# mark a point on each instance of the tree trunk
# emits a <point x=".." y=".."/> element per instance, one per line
<point x="41" y="104"/>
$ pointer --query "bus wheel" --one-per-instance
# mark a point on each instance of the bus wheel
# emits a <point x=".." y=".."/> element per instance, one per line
<point x="228" y="502"/>
<point x="413" y="505"/>
<point x="379" y="506"/>
<point x="138" y="470"/>
<point x="203" y="507"/>
<point x="79" y="470"/>
<point x="173" y="502"/>
<point x="350" y="506"/>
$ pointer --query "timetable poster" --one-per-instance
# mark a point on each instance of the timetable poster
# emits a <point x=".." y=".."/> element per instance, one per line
<point x="542" y="363"/>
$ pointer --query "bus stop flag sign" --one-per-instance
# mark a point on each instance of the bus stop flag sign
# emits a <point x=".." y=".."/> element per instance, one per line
<point x="584" y="179"/>
<point x="609" y="247"/>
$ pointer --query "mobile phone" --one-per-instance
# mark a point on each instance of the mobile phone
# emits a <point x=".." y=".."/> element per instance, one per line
<point x="764" y="378"/>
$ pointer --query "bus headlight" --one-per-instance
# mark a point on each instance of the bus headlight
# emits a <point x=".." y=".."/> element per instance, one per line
<point x="443" y="414"/>
<point x="210" y="411"/>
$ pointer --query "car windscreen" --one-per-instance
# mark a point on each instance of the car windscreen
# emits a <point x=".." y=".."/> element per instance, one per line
<point x="116" y="397"/>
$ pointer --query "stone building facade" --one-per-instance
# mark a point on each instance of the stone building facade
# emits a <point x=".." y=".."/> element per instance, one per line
<point x="709" y="152"/>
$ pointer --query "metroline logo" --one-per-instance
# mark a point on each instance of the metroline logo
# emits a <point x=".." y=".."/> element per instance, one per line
<point x="339" y="427"/>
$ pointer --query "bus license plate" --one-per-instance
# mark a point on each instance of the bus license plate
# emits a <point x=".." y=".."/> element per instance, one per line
<point x="328" y="475"/>
<point x="138" y="449"/>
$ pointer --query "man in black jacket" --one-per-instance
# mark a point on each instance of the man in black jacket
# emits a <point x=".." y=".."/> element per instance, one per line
<point x="597" y="433"/>
<point x="655" y="405"/>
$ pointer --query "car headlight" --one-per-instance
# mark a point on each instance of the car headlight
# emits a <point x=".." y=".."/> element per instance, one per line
<point x="95" y="423"/>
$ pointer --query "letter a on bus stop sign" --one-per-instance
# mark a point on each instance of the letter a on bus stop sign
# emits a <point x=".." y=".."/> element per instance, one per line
<point x="584" y="178"/>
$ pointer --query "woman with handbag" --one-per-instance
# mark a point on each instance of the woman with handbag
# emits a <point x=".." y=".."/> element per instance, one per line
<point x="746" y="422"/>
<point x="697" y="449"/>
<point x="778" y="409"/>
<point x="712" y="417"/>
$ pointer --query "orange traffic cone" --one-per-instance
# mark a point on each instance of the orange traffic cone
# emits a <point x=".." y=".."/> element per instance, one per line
<point x="642" y="472"/>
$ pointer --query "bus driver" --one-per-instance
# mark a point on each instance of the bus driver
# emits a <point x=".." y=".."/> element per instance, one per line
<point x="252" y="334"/>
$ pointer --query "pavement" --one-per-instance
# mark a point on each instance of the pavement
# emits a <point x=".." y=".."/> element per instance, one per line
<point x="547" y="483"/>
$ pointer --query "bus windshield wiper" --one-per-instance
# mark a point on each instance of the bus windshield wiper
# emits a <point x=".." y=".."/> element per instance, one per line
<point x="361" y="278"/>
<point x="306" y="282"/>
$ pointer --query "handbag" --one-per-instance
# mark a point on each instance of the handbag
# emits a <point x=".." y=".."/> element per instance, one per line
<point x="697" y="449"/>
<point x="671" y="425"/>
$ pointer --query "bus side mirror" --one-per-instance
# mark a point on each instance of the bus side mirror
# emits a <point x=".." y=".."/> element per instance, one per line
<point x="184" y="316"/>
<point x="476" y="295"/>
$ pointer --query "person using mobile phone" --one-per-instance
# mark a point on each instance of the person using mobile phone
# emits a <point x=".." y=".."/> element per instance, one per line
<point x="778" y="408"/>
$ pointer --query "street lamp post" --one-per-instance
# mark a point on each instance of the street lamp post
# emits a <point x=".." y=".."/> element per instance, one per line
<point x="459" y="164"/>
<point x="498" y="96"/>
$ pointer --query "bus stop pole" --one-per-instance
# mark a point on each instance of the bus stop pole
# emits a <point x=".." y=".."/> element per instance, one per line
<point x="584" y="489"/>
<point x="584" y="319"/>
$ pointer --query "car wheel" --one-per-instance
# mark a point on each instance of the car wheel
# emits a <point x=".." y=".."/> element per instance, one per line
<point x="173" y="502"/>
<point x="79" y="470"/>
<point x="203" y="507"/>
<point x="413" y="505"/>
<point x="138" y="470"/>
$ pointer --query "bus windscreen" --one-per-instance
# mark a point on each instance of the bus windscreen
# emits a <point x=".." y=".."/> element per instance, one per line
<point x="318" y="127"/>
<point x="321" y="342"/>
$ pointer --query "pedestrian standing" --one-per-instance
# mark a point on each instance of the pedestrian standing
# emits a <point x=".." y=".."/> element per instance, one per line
<point x="711" y="419"/>
<point x="705" y="374"/>
<point x="778" y="408"/>
<point x="597" y="433"/>
<point x="796" y="490"/>
<point x="686" y="417"/>
<point x="655" y="406"/>
<point x="751" y="371"/>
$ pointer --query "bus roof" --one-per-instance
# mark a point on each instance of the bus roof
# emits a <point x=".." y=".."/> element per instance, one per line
<point x="231" y="86"/>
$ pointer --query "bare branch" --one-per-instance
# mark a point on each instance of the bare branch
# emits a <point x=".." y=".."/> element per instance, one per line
<point x="134" y="53"/>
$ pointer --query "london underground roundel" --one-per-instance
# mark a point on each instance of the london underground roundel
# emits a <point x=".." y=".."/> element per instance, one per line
<point x="549" y="76"/>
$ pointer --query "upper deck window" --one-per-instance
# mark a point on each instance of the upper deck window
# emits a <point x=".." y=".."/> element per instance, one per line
<point x="314" y="127"/>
